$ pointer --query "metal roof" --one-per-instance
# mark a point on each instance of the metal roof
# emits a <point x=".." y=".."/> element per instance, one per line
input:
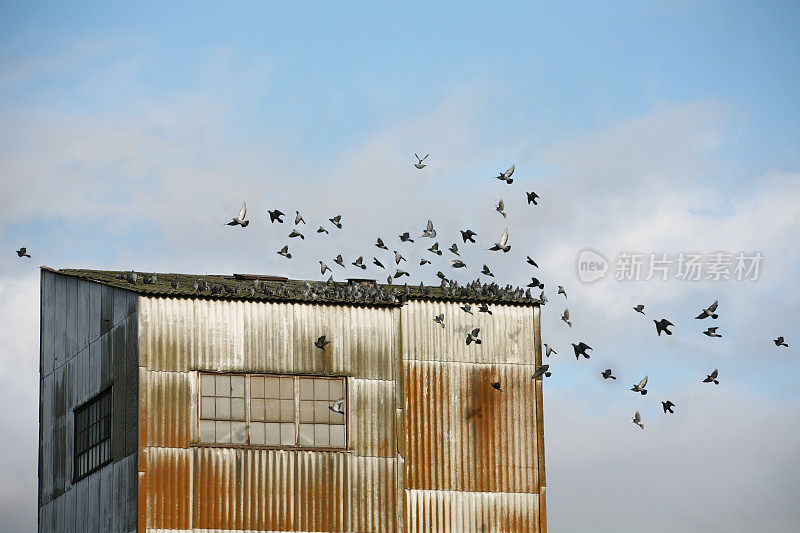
<point x="281" y="289"/>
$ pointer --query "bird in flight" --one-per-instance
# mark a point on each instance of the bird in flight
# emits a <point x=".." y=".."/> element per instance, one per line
<point x="359" y="263"/>
<point x="531" y="261"/>
<point x="472" y="336"/>
<point x="468" y="235"/>
<point x="639" y="308"/>
<point x="323" y="268"/>
<point x="23" y="252"/>
<point x="506" y="176"/>
<point x="239" y="220"/>
<point x="542" y="371"/>
<point x="458" y="263"/>
<point x="607" y="374"/>
<point x="640" y="387"/>
<point x="565" y="317"/>
<point x="435" y="249"/>
<point x="549" y="350"/>
<point x="454" y="249"/>
<point x="323" y="230"/>
<point x="532" y="197"/>
<point x="496" y="386"/>
<point x="502" y="244"/>
<point x="398" y="257"/>
<point x="709" y="312"/>
<point x="276" y="215"/>
<point x="637" y="419"/>
<point x="668" y="405"/>
<point x="439" y="319"/>
<point x="296" y="233"/>
<point x="298" y="218"/>
<point x="778" y="342"/>
<point x="377" y="263"/>
<point x="423" y="262"/>
<point x="380" y="244"/>
<point x="712" y="332"/>
<point x="712" y="378"/>
<point x="337" y="221"/>
<point x="337" y="406"/>
<point x="285" y="252"/>
<point x="562" y="291"/>
<point x="580" y="350"/>
<point x="419" y="164"/>
<point x="662" y="325"/>
<point x="429" y="231"/>
<point x="406" y="237"/>
<point x="466" y="308"/>
<point x="321" y="342"/>
<point x="536" y="283"/>
<point x="484" y="308"/>
<point x="339" y="260"/>
<point x="486" y="272"/>
<point x="501" y="208"/>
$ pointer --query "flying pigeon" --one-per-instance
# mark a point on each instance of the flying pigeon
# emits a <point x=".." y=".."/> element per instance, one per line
<point x="712" y="378"/>
<point x="23" y="252"/>
<point x="496" y="386"/>
<point x="502" y="244"/>
<point x="337" y="221"/>
<point x="429" y="231"/>
<point x="458" y="263"/>
<point x="543" y="298"/>
<point x="466" y="308"/>
<point x="506" y="176"/>
<point x="661" y="325"/>
<point x="419" y="163"/>
<point x="339" y="260"/>
<point x="323" y="267"/>
<point x="398" y="257"/>
<point x="468" y="235"/>
<point x="454" y="248"/>
<point x="441" y="275"/>
<point x="337" y="406"/>
<point x="296" y="233"/>
<point x="640" y="388"/>
<point x="486" y="271"/>
<point x="709" y="312"/>
<point x="484" y="308"/>
<point x="472" y="336"/>
<point x="542" y="370"/>
<point x="501" y="208"/>
<point x="400" y="273"/>
<point x="607" y="374"/>
<point x="285" y="252"/>
<point x="712" y="332"/>
<point x="423" y="262"/>
<point x="549" y="350"/>
<point x="359" y="263"/>
<point x="637" y="419"/>
<point x="322" y="230"/>
<point x="565" y="317"/>
<point x="639" y="308"/>
<point x="531" y="261"/>
<point x="562" y="291"/>
<point x="580" y="349"/>
<point x="439" y="319"/>
<point x="380" y="244"/>
<point x="298" y="218"/>
<point x="321" y="342"/>
<point x="668" y="405"/>
<point x="406" y="237"/>
<point x="778" y="342"/>
<point x="275" y="215"/>
<point x="377" y="263"/>
<point x="435" y="249"/>
<point x="239" y="220"/>
<point x="536" y="283"/>
<point x="532" y="197"/>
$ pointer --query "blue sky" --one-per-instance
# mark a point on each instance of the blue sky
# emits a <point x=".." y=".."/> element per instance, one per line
<point x="130" y="133"/>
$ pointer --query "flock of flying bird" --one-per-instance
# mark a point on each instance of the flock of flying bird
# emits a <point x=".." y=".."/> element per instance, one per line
<point x="450" y="287"/>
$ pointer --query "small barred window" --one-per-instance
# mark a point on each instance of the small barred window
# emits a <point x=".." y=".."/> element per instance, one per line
<point x="92" y="436"/>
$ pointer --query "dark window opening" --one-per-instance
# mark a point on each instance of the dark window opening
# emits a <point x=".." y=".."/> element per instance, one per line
<point x="92" y="437"/>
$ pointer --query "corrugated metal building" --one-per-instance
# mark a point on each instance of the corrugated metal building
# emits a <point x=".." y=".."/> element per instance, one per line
<point x="201" y="403"/>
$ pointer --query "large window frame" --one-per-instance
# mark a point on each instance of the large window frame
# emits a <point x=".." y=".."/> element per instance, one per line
<point x="252" y="426"/>
<point x="92" y="434"/>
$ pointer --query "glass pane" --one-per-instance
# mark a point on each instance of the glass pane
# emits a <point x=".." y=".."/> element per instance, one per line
<point x="336" y="418"/>
<point x="257" y="409"/>
<point x="272" y="388"/>
<point x="223" y="430"/>
<point x="207" y="407"/>
<point x="272" y="434"/>
<point x="287" y="388"/>
<point x="237" y="408"/>
<point x="322" y="435"/>
<point x="337" y="437"/>
<point x="306" y="435"/>
<point x="206" y="385"/>
<point x="223" y="408"/>
<point x="306" y="411"/>
<point x="256" y="387"/>
<point x="272" y="410"/>
<point x="237" y="386"/>
<point x="207" y="431"/>
<point x="223" y="387"/>
<point x="306" y="389"/>
<point x="287" y="435"/>
<point x="287" y="410"/>
<point x="256" y="433"/>
<point x="320" y="389"/>
<point x="337" y="389"/>
<point x="238" y="432"/>
<point x="321" y="411"/>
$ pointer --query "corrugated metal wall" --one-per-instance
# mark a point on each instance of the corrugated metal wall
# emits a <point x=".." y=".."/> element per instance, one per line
<point x="227" y="488"/>
<point x="88" y="342"/>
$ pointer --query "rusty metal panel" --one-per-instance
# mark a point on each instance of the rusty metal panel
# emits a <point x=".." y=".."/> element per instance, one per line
<point x="463" y="435"/>
<point x="371" y="418"/>
<point x="429" y="511"/>
<point x="374" y="494"/>
<point x="507" y="335"/>
<point x="166" y="489"/>
<point x="167" y="409"/>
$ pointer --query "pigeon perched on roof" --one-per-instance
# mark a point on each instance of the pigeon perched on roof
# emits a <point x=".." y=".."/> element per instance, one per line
<point x="565" y="317"/>
<point x="298" y="218"/>
<point x="174" y="283"/>
<point x="502" y="244"/>
<point x="339" y="260"/>
<point x="359" y="263"/>
<point x="639" y="308"/>
<point x="536" y="283"/>
<point x="501" y="208"/>
<point x="458" y="263"/>
<point x="435" y="249"/>
<point x="531" y="261"/>
<point x="780" y="342"/>
<point x="296" y="233"/>
<point x="377" y="263"/>
<point x="710" y="312"/>
<point x="406" y="237"/>
<point x="549" y="350"/>
<point x="562" y="291"/>
<point x="439" y="319"/>
<point x="607" y="374"/>
<point x="667" y="406"/>
<point x="23" y="252"/>
<point x="239" y="220"/>
<point x="275" y="215"/>
<point x="662" y="325"/>
<point x="580" y="350"/>
<point x="321" y="342"/>
<point x="454" y="249"/>
<point x="423" y="262"/>
<point x="322" y="229"/>
<point x="712" y="332"/>
<point x="323" y="268"/>
<point x="532" y="197"/>
<point x="640" y="387"/>
<point x="496" y="386"/>
<point x="419" y="164"/>
<point x="486" y="271"/>
<point x="466" y="308"/>
<point x="337" y="406"/>
<point x="506" y="176"/>
<point x="712" y="378"/>
<point x="637" y="419"/>
<point x="337" y="221"/>
<point x="468" y="235"/>
<point x="472" y="336"/>
<point x="542" y="371"/>
<point x="285" y="252"/>
<point x="398" y="257"/>
<point x="484" y="308"/>
<point x="429" y="231"/>
<point x="380" y="244"/>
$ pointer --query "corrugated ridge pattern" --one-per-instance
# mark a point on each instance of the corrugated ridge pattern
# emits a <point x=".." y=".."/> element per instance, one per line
<point x="168" y="408"/>
<point x="472" y="511"/>
<point x="372" y="431"/>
